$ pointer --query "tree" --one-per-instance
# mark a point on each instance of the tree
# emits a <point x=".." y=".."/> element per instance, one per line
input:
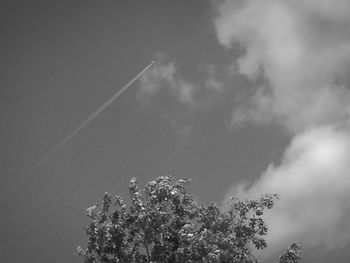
<point x="164" y="224"/>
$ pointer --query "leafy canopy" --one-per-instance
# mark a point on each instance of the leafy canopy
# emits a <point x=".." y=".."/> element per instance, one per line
<point x="163" y="224"/>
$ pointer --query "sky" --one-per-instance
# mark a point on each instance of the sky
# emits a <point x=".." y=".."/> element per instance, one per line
<point x="246" y="97"/>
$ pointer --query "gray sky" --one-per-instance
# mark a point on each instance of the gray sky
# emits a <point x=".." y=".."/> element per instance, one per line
<point x="228" y="98"/>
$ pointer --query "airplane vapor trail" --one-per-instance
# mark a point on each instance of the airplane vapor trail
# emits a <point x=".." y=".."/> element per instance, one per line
<point x="92" y="116"/>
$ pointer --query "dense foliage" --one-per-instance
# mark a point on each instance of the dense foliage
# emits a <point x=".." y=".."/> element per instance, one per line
<point x="164" y="224"/>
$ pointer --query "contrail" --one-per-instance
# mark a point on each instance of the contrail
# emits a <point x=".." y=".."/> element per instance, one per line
<point x="92" y="116"/>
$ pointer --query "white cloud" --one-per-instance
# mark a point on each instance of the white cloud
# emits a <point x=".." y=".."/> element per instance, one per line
<point x="299" y="47"/>
<point x="182" y="130"/>
<point x="313" y="181"/>
<point x="163" y="75"/>
<point x="200" y="94"/>
<point x="213" y="81"/>
<point x="213" y="84"/>
<point x="256" y="109"/>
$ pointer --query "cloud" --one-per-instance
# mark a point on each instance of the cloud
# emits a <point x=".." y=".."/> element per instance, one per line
<point x="213" y="80"/>
<point x="184" y="131"/>
<point x="298" y="53"/>
<point x="164" y="75"/>
<point x="299" y="47"/>
<point x="313" y="181"/>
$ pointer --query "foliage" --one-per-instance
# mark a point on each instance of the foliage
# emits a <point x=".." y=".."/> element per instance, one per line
<point x="164" y="224"/>
<point x="292" y="255"/>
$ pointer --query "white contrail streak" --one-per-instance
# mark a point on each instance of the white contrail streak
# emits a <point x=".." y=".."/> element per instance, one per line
<point x="92" y="116"/>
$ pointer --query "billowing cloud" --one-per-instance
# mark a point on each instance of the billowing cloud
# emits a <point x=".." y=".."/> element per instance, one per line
<point x="213" y="81"/>
<point x="164" y="75"/>
<point x="182" y="130"/>
<point x="313" y="182"/>
<point x="297" y="52"/>
<point x="300" y="48"/>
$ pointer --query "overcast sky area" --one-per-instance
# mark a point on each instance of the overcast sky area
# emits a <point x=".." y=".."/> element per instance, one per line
<point x="246" y="97"/>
